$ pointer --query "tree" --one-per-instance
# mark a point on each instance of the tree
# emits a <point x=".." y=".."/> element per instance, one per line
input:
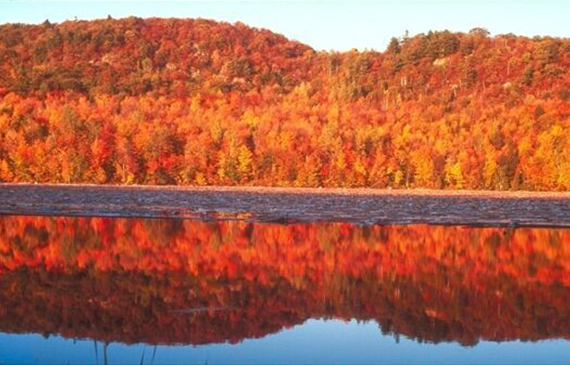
<point x="393" y="46"/>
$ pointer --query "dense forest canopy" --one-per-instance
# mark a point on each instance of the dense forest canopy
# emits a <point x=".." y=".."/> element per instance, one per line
<point x="197" y="102"/>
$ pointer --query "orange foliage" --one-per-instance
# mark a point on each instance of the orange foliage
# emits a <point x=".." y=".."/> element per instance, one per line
<point x="195" y="102"/>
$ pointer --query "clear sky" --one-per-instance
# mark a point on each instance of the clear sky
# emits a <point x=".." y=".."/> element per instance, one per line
<point x="324" y="25"/>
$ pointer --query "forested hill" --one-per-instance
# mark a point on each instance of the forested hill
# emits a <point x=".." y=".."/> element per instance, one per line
<point x="196" y="102"/>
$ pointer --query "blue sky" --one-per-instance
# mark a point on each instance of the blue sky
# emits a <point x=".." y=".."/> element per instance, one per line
<point x="324" y="25"/>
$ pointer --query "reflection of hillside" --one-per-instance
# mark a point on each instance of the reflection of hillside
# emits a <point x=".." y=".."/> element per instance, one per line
<point x="128" y="280"/>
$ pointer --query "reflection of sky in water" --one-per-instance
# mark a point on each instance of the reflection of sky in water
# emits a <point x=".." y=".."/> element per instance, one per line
<point x="316" y="341"/>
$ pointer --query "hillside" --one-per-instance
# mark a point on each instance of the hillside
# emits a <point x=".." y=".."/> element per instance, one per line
<point x="196" y="102"/>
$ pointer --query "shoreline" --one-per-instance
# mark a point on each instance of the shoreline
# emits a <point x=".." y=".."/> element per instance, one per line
<point x="289" y="205"/>
<point x="319" y="190"/>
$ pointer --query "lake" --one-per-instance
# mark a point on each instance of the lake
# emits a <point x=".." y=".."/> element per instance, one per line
<point x="131" y="290"/>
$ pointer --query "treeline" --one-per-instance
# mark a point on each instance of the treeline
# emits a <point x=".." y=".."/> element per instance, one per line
<point x="181" y="281"/>
<point x="195" y="102"/>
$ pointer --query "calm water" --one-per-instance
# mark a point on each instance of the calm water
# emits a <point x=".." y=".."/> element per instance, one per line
<point x="101" y="290"/>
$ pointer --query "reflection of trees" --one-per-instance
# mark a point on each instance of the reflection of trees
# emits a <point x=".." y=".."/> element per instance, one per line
<point x="160" y="281"/>
<point x="135" y="307"/>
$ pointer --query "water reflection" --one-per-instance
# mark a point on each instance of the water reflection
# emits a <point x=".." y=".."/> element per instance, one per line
<point x="187" y="282"/>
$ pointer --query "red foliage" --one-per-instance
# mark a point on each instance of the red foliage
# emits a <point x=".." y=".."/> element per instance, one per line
<point x="167" y="101"/>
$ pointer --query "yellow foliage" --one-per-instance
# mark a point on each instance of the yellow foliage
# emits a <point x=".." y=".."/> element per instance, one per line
<point x="454" y="175"/>
<point x="423" y="174"/>
<point x="245" y="159"/>
<point x="489" y="171"/>
<point x="398" y="177"/>
<point x="359" y="167"/>
<point x="130" y="178"/>
<point x="564" y="176"/>
<point x="200" y="179"/>
<point x="286" y="141"/>
<point x="340" y="161"/>
<point x="250" y="119"/>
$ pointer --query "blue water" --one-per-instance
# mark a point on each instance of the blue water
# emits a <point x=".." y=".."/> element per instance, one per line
<point x="195" y="284"/>
<point x="315" y="341"/>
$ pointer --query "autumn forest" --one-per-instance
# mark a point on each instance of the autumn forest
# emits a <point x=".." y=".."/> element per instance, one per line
<point x="197" y="102"/>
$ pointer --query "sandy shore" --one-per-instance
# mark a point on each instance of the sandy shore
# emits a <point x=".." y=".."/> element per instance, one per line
<point x="362" y="206"/>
